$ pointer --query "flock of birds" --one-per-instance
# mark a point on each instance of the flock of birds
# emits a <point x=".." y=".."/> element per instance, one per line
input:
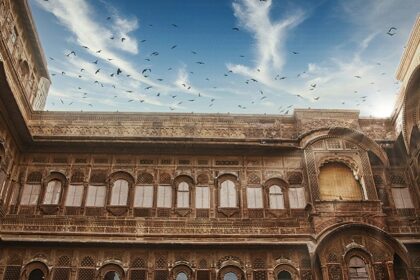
<point x="175" y="100"/>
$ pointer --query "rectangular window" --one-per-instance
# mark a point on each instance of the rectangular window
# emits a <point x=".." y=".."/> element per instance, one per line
<point x="297" y="198"/>
<point x="402" y="198"/>
<point x="74" y="195"/>
<point x="202" y="198"/>
<point x="143" y="197"/>
<point x="254" y="196"/>
<point x="96" y="196"/>
<point x="30" y="194"/>
<point x="164" y="199"/>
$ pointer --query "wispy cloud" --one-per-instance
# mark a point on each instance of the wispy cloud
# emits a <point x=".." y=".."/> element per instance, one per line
<point x="77" y="16"/>
<point x="270" y="37"/>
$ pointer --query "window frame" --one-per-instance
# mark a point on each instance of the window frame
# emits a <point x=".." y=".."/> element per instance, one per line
<point x="185" y="193"/>
<point x="97" y="186"/>
<point x="166" y="187"/>
<point x="235" y="191"/>
<point x="120" y="192"/>
<point x="46" y="192"/>
<point x="282" y="194"/>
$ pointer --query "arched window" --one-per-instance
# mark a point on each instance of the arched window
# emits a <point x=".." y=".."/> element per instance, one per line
<point x="112" y="275"/>
<point x="337" y="182"/>
<point x="228" y="194"/>
<point x="284" y="275"/>
<point x="276" y="197"/>
<point x="183" y="195"/>
<point x="254" y="197"/>
<point x="52" y="192"/>
<point x="119" y="193"/>
<point x="230" y="276"/>
<point x="181" y="276"/>
<point x="357" y="269"/>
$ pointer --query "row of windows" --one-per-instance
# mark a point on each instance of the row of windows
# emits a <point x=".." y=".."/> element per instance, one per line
<point x="144" y="195"/>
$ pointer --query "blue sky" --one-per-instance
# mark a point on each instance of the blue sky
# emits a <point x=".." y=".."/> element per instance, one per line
<point x="236" y="56"/>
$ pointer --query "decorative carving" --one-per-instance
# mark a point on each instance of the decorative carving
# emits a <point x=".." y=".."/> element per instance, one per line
<point x="334" y="272"/>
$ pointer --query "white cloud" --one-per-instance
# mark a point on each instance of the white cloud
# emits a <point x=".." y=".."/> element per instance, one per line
<point x="269" y="37"/>
<point x="77" y="16"/>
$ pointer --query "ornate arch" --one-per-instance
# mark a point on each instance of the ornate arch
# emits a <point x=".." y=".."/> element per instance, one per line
<point x="411" y="107"/>
<point x="56" y="175"/>
<point x="325" y="236"/>
<point x="287" y="265"/>
<point x="121" y="175"/>
<point x="33" y="265"/>
<point x="232" y="267"/>
<point x="181" y="267"/>
<point x="108" y="267"/>
<point x="184" y="178"/>
<point x="348" y="134"/>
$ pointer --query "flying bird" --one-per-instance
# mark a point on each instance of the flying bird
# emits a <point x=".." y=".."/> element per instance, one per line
<point x="97" y="71"/>
<point x="359" y="77"/>
<point x="235" y="28"/>
<point x="174" y="25"/>
<point x="123" y="39"/>
<point x="293" y="52"/>
<point x="108" y="18"/>
<point x="99" y="51"/>
<point x="390" y="31"/>
<point x="72" y="52"/>
<point x="200" y="62"/>
<point x="173" y="47"/>
<point x="95" y="62"/>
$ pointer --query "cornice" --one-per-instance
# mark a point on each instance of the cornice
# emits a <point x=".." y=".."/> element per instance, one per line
<point x="409" y="52"/>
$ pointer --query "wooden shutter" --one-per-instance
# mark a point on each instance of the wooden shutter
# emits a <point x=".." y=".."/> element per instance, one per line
<point x="183" y="195"/>
<point x="276" y="197"/>
<point x="143" y="197"/>
<point x="202" y="198"/>
<point x="337" y="182"/>
<point x="164" y="197"/>
<point x="297" y="197"/>
<point x="52" y="193"/>
<point x="254" y="195"/>
<point x="74" y="195"/>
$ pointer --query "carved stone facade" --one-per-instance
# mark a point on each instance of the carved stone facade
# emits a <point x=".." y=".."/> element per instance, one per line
<point x="202" y="196"/>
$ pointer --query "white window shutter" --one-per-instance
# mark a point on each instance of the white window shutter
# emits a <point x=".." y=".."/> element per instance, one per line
<point x="26" y="194"/>
<point x="90" y="199"/>
<point x="258" y="198"/>
<point x="100" y="196"/>
<point x="148" y="196"/>
<point x="396" y="194"/>
<point x="202" y="200"/>
<point x="224" y="195"/>
<point x="164" y="197"/>
<point x="231" y="194"/>
<point x="254" y="195"/>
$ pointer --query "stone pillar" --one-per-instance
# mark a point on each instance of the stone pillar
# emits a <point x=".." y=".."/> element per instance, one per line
<point x="390" y="269"/>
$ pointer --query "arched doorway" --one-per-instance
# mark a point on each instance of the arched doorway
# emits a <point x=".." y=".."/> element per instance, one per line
<point x="284" y="275"/>
<point x="112" y="275"/>
<point x="111" y="272"/>
<point x="231" y="272"/>
<point x="230" y="276"/>
<point x="36" y="274"/>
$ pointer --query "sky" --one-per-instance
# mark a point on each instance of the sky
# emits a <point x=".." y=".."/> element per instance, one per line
<point x="224" y="56"/>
